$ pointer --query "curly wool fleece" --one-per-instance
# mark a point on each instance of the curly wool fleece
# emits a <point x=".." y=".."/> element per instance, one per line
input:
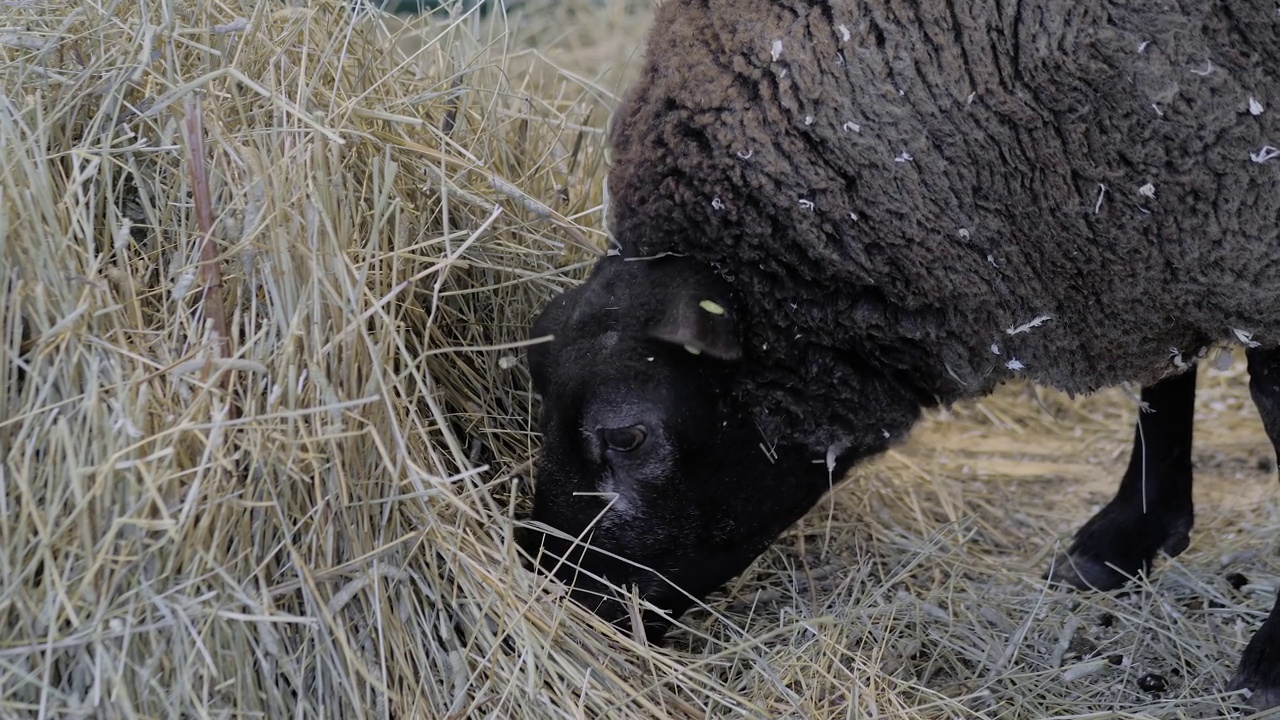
<point x="952" y="194"/>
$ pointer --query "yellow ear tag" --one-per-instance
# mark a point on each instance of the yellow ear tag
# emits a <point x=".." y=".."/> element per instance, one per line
<point x="712" y="307"/>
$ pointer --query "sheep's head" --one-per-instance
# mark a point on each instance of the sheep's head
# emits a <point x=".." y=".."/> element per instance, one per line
<point x="647" y="462"/>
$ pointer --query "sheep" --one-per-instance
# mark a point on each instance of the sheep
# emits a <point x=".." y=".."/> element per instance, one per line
<point x="830" y="216"/>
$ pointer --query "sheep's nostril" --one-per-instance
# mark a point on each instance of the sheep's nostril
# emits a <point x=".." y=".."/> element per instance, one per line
<point x="548" y="553"/>
<point x="530" y="541"/>
<point x="542" y="552"/>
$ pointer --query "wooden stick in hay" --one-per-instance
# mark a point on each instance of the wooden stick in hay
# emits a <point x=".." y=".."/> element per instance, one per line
<point x="210" y="269"/>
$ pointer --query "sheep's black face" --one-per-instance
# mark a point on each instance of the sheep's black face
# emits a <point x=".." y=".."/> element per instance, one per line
<point x="646" y="462"/>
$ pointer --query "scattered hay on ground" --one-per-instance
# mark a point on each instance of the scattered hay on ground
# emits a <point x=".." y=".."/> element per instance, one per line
<point x="265" y="421"/>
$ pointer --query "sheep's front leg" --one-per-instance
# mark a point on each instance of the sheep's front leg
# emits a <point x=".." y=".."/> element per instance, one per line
<point x="1260" y="665"/>
<point x="1152" y="511"/>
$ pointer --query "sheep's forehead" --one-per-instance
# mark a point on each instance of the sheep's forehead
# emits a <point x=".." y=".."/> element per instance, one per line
<point x="608" y="324"/>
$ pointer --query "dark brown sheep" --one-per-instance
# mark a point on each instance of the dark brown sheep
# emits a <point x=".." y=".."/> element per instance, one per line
<point x="830" y="215"/>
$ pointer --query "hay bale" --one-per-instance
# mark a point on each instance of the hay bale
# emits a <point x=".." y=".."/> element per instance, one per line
<point x="265" y="423"/>
<point x="267" y="271"/>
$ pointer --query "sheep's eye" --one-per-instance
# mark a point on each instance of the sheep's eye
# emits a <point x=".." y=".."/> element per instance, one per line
<point x="625" y="439"/>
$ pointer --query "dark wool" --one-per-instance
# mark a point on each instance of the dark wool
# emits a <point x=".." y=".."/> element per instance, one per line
<point x="893" y="190"/>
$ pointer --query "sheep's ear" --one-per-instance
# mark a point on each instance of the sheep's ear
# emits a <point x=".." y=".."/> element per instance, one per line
<point x="701" y="325"/>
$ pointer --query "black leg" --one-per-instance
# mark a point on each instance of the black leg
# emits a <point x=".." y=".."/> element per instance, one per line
<point x="1260" y="665"/>
<point x="1152" y="511"/>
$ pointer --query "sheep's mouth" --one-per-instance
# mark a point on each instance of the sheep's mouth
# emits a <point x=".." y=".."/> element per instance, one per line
<point x="584" y="569"/>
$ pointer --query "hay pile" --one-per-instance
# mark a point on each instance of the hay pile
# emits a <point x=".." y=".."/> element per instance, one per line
<point x="265" y="426"/>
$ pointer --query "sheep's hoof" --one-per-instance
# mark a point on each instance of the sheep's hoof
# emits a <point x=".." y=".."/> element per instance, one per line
<point x="1261" y="699"/>
<point x="1118" y="544"/>
<point x="1263" y="694"/>
<point x="1084" y="573"/>
<point x="1260" y="667"/>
